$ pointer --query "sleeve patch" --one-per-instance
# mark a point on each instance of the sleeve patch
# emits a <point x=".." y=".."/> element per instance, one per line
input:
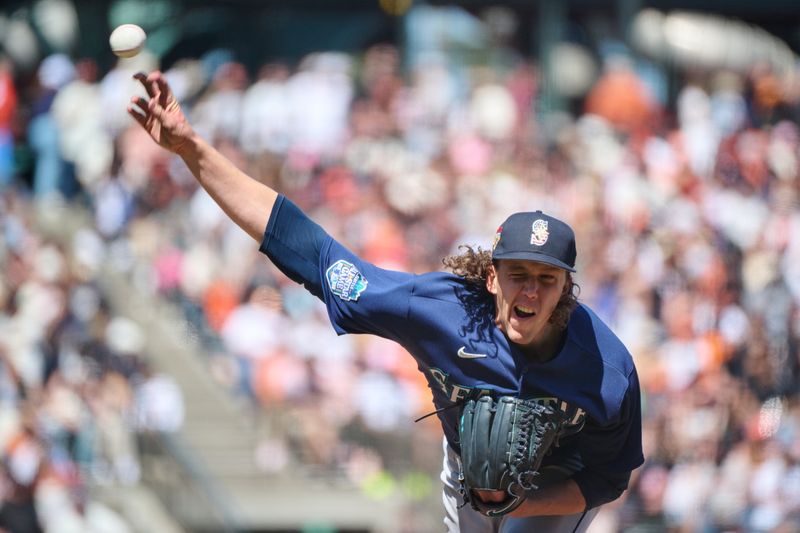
<point x="345" y="281"/>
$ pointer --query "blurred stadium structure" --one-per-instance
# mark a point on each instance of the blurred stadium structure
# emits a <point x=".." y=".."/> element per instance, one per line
<point x="157" y="374"/>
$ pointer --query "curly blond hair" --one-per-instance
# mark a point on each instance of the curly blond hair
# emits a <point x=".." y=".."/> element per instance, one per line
<point x="473" y="265"/>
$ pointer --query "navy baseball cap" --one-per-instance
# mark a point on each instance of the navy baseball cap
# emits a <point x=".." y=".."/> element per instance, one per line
<point x="534" y="236"/>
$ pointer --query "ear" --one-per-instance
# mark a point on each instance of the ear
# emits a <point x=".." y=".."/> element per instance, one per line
<point x="491" y="280"/>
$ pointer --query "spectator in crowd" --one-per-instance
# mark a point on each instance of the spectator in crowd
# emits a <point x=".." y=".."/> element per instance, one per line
<point x="51" y="172"/>
<point x="8" y="110"/>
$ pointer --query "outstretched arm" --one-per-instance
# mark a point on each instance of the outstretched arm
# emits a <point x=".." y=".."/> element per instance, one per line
<point x="246" y="201"/>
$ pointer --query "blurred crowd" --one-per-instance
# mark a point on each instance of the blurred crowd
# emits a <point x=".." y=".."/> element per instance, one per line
<point x="686" y="210"/>
<point x="75" y="385"/>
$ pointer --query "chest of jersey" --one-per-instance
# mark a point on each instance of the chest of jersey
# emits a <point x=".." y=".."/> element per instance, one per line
<point x="462" y="356"/>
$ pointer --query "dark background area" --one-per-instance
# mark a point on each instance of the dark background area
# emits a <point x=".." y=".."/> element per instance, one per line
<point x="287" y="31"/>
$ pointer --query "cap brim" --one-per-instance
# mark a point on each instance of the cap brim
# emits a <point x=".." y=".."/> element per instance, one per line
<point x="538" y="258"/>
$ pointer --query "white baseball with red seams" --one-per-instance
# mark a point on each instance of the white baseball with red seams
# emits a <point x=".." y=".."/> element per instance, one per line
<point x="127" y="40"/>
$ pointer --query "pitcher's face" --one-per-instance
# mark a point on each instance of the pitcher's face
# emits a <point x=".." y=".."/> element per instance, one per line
<point x="526" y="294"/>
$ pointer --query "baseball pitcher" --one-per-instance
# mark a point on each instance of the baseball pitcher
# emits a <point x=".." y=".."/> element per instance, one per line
<point x="538" y="399"/>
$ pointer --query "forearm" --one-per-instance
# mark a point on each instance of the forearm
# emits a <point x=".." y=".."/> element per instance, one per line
<point x="246" y="201"/>
<point x="563" y="498"/>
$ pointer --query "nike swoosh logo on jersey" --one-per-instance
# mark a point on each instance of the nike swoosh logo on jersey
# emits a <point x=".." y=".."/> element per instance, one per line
<point x="463" y="354"/>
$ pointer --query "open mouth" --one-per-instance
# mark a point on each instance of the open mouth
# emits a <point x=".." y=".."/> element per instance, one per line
<point x="523" y="312"/>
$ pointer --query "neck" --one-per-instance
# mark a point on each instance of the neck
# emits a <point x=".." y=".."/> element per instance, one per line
<point x="547" y="346"/>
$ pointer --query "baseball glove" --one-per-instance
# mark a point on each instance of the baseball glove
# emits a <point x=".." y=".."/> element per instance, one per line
<point x="503" y="444"/>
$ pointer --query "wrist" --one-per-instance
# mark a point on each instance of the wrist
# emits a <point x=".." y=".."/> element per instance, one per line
<point x="561" y="499"/>
<point x="190" y="146"/>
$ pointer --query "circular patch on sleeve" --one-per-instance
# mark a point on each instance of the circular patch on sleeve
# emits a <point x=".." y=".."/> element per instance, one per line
<point x="345" y="281"/>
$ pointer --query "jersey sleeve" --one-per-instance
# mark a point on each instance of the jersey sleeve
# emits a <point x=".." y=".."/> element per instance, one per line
<point x="611" y="452"/>
<point x="293" y="243"/>
<point x="359" y="296"/>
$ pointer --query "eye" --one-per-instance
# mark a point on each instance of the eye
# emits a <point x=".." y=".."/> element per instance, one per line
<point x="547" y="278"/>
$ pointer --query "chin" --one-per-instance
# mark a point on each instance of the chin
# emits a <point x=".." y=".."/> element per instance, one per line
<point x="519" y="338"/>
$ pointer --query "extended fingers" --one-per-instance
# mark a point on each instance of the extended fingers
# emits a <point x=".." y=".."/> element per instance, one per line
<point x="141" y="103"/>
<point x="159" y="88"/>
<point x="148" y="108"/>
<point x="164" y="92"/>
<point x="142" y="78"/>
<point x="138" y="117"/>
<point x="153" y="83"/>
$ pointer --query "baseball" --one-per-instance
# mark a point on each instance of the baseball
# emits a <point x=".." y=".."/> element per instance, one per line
<point x="127" y="40"/>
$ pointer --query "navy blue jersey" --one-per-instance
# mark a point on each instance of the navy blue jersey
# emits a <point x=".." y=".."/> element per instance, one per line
<point x="447" y="324"/>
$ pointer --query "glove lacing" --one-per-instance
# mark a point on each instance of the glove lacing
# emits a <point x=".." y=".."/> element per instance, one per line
<point x="524" y="478"/>
<point x="531" y="436"/>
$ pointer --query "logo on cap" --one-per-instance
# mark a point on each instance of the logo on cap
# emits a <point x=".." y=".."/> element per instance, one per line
<point x="539" y="233"/>
<point x="497" y="235"/>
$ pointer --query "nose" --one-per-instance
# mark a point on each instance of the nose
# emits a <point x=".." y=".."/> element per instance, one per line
<point x="530" y="288"/>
